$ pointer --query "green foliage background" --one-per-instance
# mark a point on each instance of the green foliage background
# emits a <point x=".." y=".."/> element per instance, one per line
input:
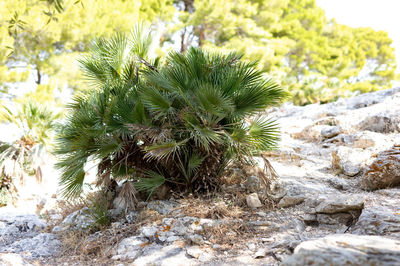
<point x="317" y="59"/>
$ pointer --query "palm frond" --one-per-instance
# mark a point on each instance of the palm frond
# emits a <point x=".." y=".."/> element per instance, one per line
<point x="164" y="151"/>
<point x="150" y="183"/>
<point x="141" y="40"/>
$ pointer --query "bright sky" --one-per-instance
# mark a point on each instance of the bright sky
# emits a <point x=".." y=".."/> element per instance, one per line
<point x="377" y="14"/>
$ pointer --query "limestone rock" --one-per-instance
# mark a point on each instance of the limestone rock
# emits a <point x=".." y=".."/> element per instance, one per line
<point x="148" y="231"/>
<point x="383" y="123"/>
<point x="368" y="99"/>
<point x="349" y="160"/>
<point x="330" y="132"/>
<point x="346" y="250"/>
<point x="350" y="169"/>
<point x="309" y="218"/>
<point x="194" y="252"/>
<point x="365" y="139"/>
<point x="13" y="259"/>
<point x="164" y="256"/>
<point x="131" y="216"/>
<point x="378" y="220"/>
<point x="384" y="171"/>
<point x="253" y="201"/>
<point x="80" y="219"/>
<point x="205" y="257"/>
<point x="196" y="239"/>
<point x="42" y="245"/>
<point x="14" y="227"/>
<point x="129" y="248"/>
<point x="291" y="200"/>
<point x="162" y="206"/>
<point x="261" y="253"/>
<point x="340" y="204"/>
<point x="334" y="219"/>
<point x="312" y="132"/>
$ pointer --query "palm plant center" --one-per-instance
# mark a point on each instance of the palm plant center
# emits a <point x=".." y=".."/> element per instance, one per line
<point x="174" y="121"/>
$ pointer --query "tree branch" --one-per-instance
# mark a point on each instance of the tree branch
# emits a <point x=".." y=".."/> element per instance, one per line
<point x="141" y="60"/>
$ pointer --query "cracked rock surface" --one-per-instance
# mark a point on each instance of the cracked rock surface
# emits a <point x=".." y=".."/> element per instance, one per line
<point x="323" y="213"/>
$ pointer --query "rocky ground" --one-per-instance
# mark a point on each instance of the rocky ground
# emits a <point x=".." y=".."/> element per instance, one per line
<point x="336" y="203"/>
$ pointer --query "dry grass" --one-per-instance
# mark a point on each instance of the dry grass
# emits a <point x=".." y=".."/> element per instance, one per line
<point x="82" y="248"/>
<point x="209" y="208"/>
<point x="234" y="234"/>
<point x="229" y="205"/>
<point x="67" y="207"/>
<point x="149" y="216"/>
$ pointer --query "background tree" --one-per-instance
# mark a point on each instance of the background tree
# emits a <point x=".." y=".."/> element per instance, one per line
<point x="292" y="39"/>
<point x="294" y="42"/>
<point x="45" y="37"/>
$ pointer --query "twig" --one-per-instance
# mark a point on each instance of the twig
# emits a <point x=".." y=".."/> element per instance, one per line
<point x="141" y="60"/>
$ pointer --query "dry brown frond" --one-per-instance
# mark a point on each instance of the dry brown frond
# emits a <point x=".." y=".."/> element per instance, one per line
<point x="128" y="193"/>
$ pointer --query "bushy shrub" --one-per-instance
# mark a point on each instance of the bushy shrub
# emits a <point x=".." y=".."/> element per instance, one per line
<point x="21" y="157"/>
<point x="176" y="123"/>
<point x="319" y="89"/>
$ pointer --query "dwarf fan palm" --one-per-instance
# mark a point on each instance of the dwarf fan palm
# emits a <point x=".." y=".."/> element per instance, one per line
<point x="24" y="155"/>
<point x="179" y="122"/>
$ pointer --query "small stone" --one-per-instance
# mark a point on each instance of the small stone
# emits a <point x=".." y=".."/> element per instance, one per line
<point x="116" y="225"/>
<point x="330" y="132"/>
<point x="261" y="253"/>
<point x="162" y="206"/>
<point x="196" y="239"/>
<point x="309" y="218"/>
<point x="131" y="216"/>
<point x="269" y="239"/>
<point x="173" y="238"/>
<point x="364" y="143"/>
<point x="205" y="257"/>
<point x="148" y="231"/>
<point x="290" y="200"/>
<point x="350" y="169"/>
<point x="251" y="246"/>
<point x="57" y="229"/>
<point x="129" y="248"/>
<point x="340" y="204"/>
<point x="337" y="218"/>
<point x="262" y="214"/>
<point x="253" y="201"/>
<point x="13" y="259"/>
<point x="194" y="252"/>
